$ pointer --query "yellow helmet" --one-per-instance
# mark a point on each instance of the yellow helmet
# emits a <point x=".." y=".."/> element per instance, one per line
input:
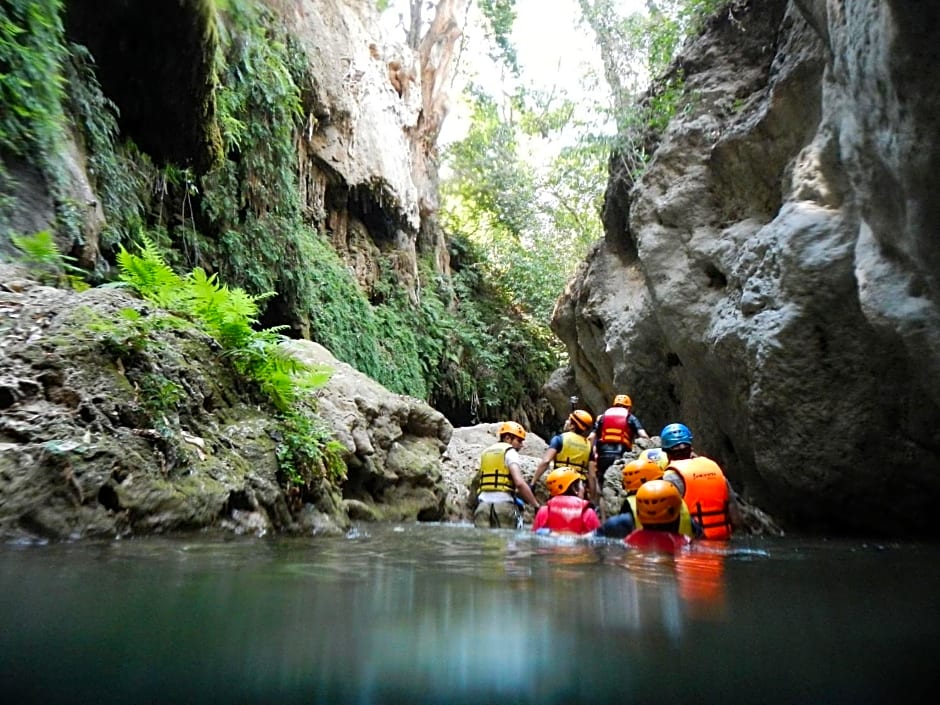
<point x="657" y="502"/>
<point x="512" y="428"/>
<point x="639" y="471"/>
<point x="558" y="481"/>
<point x="581" y="419"/>
<point x="623" y="400"/>
<point x="655" y="455"/>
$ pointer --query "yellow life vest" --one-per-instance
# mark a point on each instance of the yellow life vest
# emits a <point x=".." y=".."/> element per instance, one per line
<point x="575" y="452"/>
<point x="494" y="475"/>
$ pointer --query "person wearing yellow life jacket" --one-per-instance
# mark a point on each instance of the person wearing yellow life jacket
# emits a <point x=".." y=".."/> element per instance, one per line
<point x="647" y="467"/>
<point x="658" y="508"/>
<point x="701" y="483"/>
<point x="570" y="448"/>
<point x="613" y="435"/>
<point x="567" y="512"/>
<point x="500" y="481"/>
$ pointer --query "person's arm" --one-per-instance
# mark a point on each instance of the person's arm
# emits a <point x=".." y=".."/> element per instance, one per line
<point x="521" y="487"/>
<point x="546" y="460"/>
<point x="675" y="478"/>
<point x="593" y="494"/>
<point x="639" y="431"/>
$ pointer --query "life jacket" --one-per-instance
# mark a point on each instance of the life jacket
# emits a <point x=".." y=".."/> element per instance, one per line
<point x="494" y="475"/>
<point x="706" y="494"/>
<point x="575" y="452"/>
<point x="615" y="427"/>
<point x="685" y="517"/>
<point x="565" y="515"/>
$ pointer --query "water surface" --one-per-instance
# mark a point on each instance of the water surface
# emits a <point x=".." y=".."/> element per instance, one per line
<point x="431" y="613"/>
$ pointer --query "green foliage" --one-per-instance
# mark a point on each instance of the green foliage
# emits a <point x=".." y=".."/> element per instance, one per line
<point x="534" y="225"/>
<point x="31" y="83"/>
<point x="123" y="178"/>
<point x="500" y="15"/>
<point x="636" y="49"/>
<point x="230" y="315"/>
<point x="308" y="449"/>
<point x="492" y="188"/>
<point x="160" y="394"/>
<point x="41" y="255"/>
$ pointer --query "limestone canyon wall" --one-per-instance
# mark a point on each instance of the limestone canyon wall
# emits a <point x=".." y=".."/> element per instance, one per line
<point x="772" y="280"/>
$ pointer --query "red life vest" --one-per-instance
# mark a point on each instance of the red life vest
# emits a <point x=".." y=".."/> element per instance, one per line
<point x="615" y="427"/>
<point x="706" y="495"/>
<point x="566" y="514"/>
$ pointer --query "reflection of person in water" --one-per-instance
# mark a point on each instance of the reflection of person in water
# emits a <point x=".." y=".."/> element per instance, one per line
<point x="700" y="573"/>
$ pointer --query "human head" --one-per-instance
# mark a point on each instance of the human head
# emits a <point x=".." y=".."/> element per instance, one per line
<point x="564" y="481"/>
<point x="581" y="421"/>
<point x="676" y="440"/>
<point x="639" y="471"/>
<point x="513" y="430"/>
<point x="658" y="503"/>
<point x="623" y="400"/>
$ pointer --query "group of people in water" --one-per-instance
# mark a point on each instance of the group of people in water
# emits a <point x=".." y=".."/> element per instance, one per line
<point x="673" y="495"/>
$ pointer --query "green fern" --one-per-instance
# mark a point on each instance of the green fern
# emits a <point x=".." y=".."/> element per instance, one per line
<point x="40" y="253"/>
<point x="151" y="276"/>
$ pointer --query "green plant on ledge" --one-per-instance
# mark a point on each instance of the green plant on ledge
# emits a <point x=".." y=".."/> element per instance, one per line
<point x="307" y="450"/>
<point x="40" y="254"/>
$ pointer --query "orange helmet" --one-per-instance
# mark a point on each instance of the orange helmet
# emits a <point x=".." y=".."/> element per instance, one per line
<point x="657" y="502"/>
<point x="623" y="400"/>
<point x="638" y="471"/>
<point x="513" y="429"/>
<point x="581" y="419"/>
<point x="558" y="481"/>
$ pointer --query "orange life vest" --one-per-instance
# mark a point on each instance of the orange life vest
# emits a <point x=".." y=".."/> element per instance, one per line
<point x="615" y="427"/>
<point x="706" y="495"/>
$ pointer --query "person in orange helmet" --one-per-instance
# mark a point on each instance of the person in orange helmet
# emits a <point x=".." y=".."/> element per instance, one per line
<point x="613" y="435"/>
<point x="567" y="512"/>
<point x="647" y="467"/>
<point x="570" y="448"/>
<point x="659" y="510"/>
<point x="500" y="481"/>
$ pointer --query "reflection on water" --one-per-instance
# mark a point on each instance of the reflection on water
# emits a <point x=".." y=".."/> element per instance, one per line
<point x="454" y="614"/>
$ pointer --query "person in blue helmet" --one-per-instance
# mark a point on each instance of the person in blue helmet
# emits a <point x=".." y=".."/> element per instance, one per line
<point x="676" y="440"/>
<point x="701" y="483"/>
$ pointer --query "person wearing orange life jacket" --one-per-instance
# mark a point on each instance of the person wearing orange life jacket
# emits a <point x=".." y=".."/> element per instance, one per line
<point x="647" y="467"/>
<point x="570" y="448"/>
<point x="567" y="512"/>
<point x="614" y="433"/>
<point x="658" y="508"/>
<point x="701" y="483"/>
<point x="500" y="480"/>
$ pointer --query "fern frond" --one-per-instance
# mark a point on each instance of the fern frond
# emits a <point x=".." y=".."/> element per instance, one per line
<point x="150" y="275"/>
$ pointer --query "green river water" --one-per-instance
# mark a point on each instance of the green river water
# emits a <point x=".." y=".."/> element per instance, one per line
<point x="432" y="613"/>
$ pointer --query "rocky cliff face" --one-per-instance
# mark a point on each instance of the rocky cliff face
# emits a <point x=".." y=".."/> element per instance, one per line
<point x="772" y="280"/>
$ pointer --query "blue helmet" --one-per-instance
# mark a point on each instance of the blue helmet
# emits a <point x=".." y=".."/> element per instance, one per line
<point x="675" y="434"/>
